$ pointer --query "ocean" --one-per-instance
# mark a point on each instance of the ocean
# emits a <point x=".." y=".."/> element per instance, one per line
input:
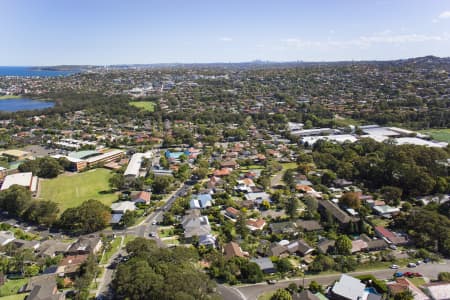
<point x="32" y="72"/>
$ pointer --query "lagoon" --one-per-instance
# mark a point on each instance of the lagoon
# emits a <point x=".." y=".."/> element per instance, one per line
<point x="18" y="104"/>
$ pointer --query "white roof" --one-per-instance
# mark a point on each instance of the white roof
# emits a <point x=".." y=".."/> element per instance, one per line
<point x="135" y="163"/>
<point x="349" y="287"/>
<point x="439" y="291"/>
<point x="339" y="138"/>
<point x="420" y="142"/>
<point x="123" y="206"/>
<point x="23" y="179"/>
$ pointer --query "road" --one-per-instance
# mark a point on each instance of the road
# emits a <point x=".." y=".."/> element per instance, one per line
<point x="251" y="292"/>
<point x="141" y="230"/>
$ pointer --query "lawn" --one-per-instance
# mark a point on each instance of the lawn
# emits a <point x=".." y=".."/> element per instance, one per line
<point x="287" y="166"/>
<point x="267" y="295"/>
<point x="144" y="105"/>
<point x="9" y="97"/>
<point x="442" y="135"/>
<point x="14" y="297"/>
<point x="417" y="281"/>
<point x="12" y="286"/>
<point x="70" y="190"/>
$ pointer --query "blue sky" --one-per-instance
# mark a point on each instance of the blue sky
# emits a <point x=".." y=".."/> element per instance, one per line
<point x="51" y="32"/>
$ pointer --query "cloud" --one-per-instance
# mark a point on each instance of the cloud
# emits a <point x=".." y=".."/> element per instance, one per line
<point x="385" y="37"/>
<point x="225" y="39"/>
<point x="445" y="15"/>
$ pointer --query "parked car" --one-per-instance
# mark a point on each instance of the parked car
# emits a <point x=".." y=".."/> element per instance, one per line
<point x="427" y="260"/>
<point x="271" y="281"/>
<point x="398" y="274"/>
<point x="394" y="266"/>
<point x="412" y="265"/>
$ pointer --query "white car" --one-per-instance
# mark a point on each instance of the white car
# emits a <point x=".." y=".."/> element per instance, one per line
<point x="395" y="267"/>
<point x="412" y="265"/>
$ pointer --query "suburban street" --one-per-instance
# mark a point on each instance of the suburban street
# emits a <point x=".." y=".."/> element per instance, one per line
<point x="251" y="292"/>
<point x="141" y="230"/>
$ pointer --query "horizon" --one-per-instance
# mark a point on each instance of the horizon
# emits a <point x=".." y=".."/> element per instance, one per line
<point x="50" y="33"/>
<point x="255" y="61"/>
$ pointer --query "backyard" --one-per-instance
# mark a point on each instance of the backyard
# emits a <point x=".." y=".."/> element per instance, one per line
<point x="70" y="190"/>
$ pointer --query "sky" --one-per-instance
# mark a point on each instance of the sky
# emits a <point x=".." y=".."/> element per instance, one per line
<point x="105" y="32"/>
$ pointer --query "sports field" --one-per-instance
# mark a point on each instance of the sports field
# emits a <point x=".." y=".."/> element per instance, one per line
<point x="442" y="135"/>
<point x="144" y="105"/>
<point x="70" y="190"/>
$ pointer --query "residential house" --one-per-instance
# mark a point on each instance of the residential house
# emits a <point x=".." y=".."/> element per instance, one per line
<point x="52" y="248"/>
<point x="256" y="224"/>
<point x="386" y="210"/>
<point x="207" y="240"/>
<point x="325" y="245"/>
<point x="201" y="201"/>
<point x="222" y="172"/>
<point x="283" y="227"/>
<point x="70" y="265"/>
<point x="141" y="197"/>
<point x="232" y="213"/>
<point x="6" y="237"/>
<point x="194" y="224"/>
<point x="42" y="288"/>
<point x="232" y="164"/>
<point x="342" y="218"/>
<point x="347" y="288"/>
<point x="437" y="290"/>
<point x="86" y="245"/>
<point x="232" y="249"/>
<point x="122" y="206"/>
<point x="257" y="198"/>
<point x="389" y="236"/>
<point x="309" y="225"/>
<point x="373" y="244"/>
<point x="23" y="244"/>
<point x="403" y="284"/>
<point x="265" y="264"/>
<point x="300" y="247"/>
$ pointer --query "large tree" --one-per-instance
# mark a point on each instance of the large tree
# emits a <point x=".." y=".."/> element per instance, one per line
<point x="90" y="216"/>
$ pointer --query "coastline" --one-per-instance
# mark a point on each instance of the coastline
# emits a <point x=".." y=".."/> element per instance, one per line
<point x="5" y="97"/>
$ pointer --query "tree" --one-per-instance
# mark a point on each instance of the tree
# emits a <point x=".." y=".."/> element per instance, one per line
<point x="444" y="276"/>
<point x="343" y="245"/>
<point x="405" y="295"/>
<point x="42" y="212"/>
<point x="129" y="218"/>
<point x="281" y="294"/>
<point x="90" y="216"/>
<point x="392" y="194"/>
<point x="312" y="205"/>
<point x="241" y="225"/>
<point x="161" y="184"/>
<point x="284" y="265"/>
<point x="251" y="273"/>
<point x="314" y="287"/>
<point x="15" y="200"/>
<point x="292" y="207"/>
<point x="117" y="181"/>
<point x="351" y="199"/>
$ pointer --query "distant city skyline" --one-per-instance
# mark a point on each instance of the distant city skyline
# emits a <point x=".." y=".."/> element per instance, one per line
<point x="101" y="32"/>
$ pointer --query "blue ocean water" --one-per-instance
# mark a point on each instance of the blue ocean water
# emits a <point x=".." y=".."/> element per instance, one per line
<point x="30" y="71"/>
<point x="12" y="105"/>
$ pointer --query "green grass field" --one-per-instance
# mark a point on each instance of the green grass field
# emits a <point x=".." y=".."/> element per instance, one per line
<point x="70" y="190"/>
<point x="115" y="245"/>
<point x="442" y="135"/>
<point x="144" y="105"/>
<point x="11" y="287"/>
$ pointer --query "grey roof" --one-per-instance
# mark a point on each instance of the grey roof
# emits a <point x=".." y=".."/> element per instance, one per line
<point x="195" y="225"/>
<point x="349" y="288"/>
<point x="309" y="225"/>
<point x="264" y="263"/>
<point x="337" y="213"/>
<point x="299" y="246"/>
<point x="325" y="244"/>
